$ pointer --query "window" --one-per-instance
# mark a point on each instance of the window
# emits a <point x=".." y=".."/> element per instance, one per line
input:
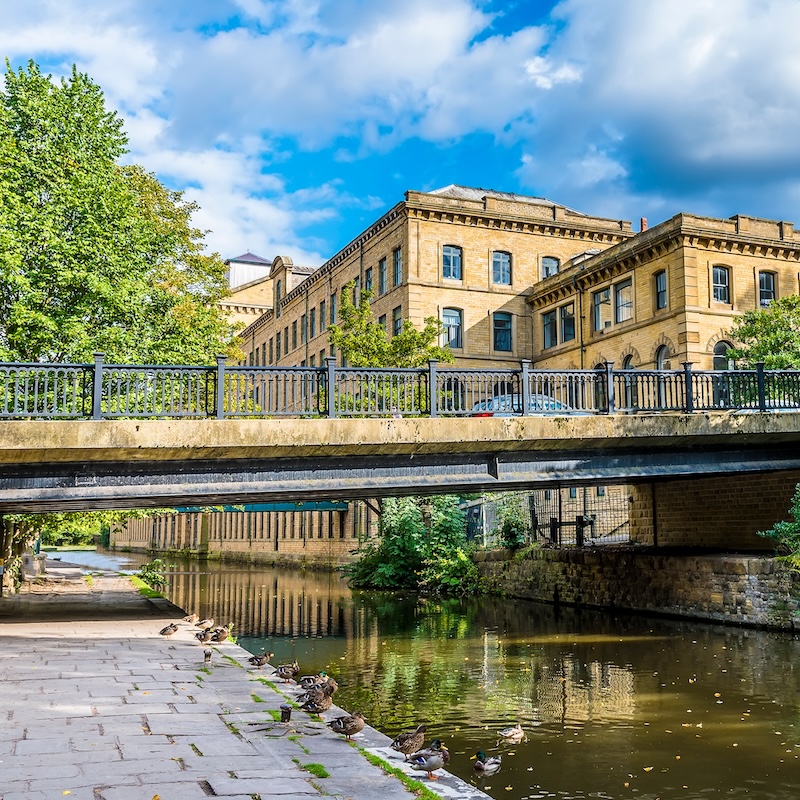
<point x="601" y="491"/>
<point x="662" y="358"/>
<point x="322" y="357"/>
<point x="333" y="308"/>
<point x="397" y="320"/>
<point x="264" y="354"/>
<point x="382" y="276"/>
<point x="368" y="279"/>
<point x="277" y="348"/>
<point x="323" y="322"/>
<point x="766" y="288"/>
<point x="623" y="301"/>
<point x="451" y="262"/>
<point x="451" y="319"/>
<point x="501" y="268"/>
<point x="550" y="266"/>
<point x="278" y="290"/>
<point x="286" y="341"/>
<point x="549" y="329"/>
<point x="573" y="492"/>
<point x="722" y="285"/>
<point x="501" y="330"/>
<point x="601" y="309"/>
<point x="382" y="322"/>
<point x="357" y="290"/>
<point x="272" y="351"/>
<point x="567" y="322"/>
<point x="312" y="361"/>
<point x="660" y="279"/>
<point x="397" y="266"/>
<point x="303" y="329"/>
<point x="721" y="360"/>
<point x="312" y="323"/>
<point x="294" y="335"/>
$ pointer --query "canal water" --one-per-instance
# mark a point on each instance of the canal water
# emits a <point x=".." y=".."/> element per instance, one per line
<point x="612" y="705"/>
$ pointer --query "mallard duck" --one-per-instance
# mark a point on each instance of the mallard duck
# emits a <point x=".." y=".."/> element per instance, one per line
<point x="487" y="766"/>
<point x="260" y="660"/>
<point x="410" y="741"/>
<point x="287" y="671"/>
<point x="307" y="681"/>
<point x="169" y="630"/>
<point x="435" y="757"/>
<point x="204" y="637"/>
<point x="318" y="704"/>
<point x="222" y="634"/>
<point x="205" y="623"/>
<point x="191" y="619"/>
<point x="512" y="735"/>
<point x="349" y="726"/>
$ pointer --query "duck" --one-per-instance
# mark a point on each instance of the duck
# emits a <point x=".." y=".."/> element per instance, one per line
<point x="487" y="766"/>
<point x="349" y="726"/>
<point x="221" y="634"/>
<point x="435" y="757"/>
<point x="512" y="735"/>
<point x="287" y="671"/>
<point x="317" y="705"/>
<point x="261" y="659"/>
<point x="204" y="637"/>
<point x="205" y="623"/>
<point x="409" y="741"/>
<point x="169" y="630"/>
<point x="307" y="681"/>
<point x="191" y="619"/>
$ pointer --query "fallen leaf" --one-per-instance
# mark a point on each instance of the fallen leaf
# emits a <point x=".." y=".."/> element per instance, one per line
<point x="648" y="769"/>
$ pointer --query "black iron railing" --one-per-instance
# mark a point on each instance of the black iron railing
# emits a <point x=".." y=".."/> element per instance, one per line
<point x="109" y="391"/>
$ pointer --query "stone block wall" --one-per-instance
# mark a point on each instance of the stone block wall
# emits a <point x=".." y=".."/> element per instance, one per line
<point x="737" y="589"/>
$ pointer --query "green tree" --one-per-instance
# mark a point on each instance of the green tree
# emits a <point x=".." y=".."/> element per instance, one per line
<point x="787" y="534"/>
<point x="94" y="256"/>
<point x="364" y="343"/>
<point x="771" y="335"/>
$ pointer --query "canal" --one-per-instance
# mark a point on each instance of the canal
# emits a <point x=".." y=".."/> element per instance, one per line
<point x="613" y="706"/>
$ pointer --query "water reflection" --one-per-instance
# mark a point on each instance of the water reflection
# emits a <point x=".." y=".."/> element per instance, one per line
<point x="613" y="706"/>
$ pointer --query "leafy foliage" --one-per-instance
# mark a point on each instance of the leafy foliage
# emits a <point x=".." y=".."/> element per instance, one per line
<point x="422" y="546"/>
<point x="787" y="534"/>
<point x="514" y="521"/>
<point x="364" y="343"/>
<point x="771" y="335"/>
<point x="153" y="574"/>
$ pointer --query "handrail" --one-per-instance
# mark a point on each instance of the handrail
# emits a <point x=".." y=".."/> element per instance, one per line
<point x="163" y="391"/>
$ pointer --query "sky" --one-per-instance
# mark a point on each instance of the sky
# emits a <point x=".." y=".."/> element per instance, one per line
<point x="295" y="124"/>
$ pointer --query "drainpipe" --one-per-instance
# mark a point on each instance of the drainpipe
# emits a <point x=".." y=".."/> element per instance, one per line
<point x="580" y="316"/>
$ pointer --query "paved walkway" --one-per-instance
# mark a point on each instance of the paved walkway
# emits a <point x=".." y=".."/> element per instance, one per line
<point x="98" y="706"/>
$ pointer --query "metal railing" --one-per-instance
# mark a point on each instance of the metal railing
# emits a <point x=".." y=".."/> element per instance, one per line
<point x="116" y="391"/>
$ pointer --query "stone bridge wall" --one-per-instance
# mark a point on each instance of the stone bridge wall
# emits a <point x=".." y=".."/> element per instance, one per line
<point x="739" y="589"/>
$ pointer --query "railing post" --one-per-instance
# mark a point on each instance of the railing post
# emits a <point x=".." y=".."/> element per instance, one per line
<point x="330" y="364"/>
<point x="97" y="387"/>
<point x="761" y="383"/>
<point x="220" y="400"/>
<point x="525" y="389"/>
<point x="433" y="389"/>
<point x="689" y="389"/>
<point x="612" y="404"/>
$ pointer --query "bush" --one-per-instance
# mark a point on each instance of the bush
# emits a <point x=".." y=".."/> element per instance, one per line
<point x="153" y="574"/>
<point x="787" y="534"/>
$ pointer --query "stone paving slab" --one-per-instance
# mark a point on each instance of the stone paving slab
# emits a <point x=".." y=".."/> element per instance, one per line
<point x="107" y="709"/>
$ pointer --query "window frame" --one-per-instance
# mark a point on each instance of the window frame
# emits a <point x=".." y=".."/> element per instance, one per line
<point x="368" y="279"/>
<point x="562" y="319"/>
<point x="500" y="332"/>
<point x="721" y="291"/>
<point x="765" y="302"/>
<point x="597" y="318"/>
<point x="458" y="327"/>
<point x="623" y="306"/>
<point x="323" y="323"/>
<point x="501" y="268"/>
<point x="549" y="329"/>
<point x="660" y="293"/>
<point x="397" y="320"/>
<point x="452" y="252"/>
<point x="382" y="276"/>
<point x="547" y="263"/>
<point x="397" y="266"/>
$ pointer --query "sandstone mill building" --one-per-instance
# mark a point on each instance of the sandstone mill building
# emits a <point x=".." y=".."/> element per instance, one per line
<point x="512" y="278"/>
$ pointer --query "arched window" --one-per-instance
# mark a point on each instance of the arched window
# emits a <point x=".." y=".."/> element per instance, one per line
<point x="550" y="265"/>
<point x="453" y="327"/>
<point x="662" y="358"/>
<point x="629" y="383"/>
<point x="451" y="262"/>
<point x="721" y="360"/>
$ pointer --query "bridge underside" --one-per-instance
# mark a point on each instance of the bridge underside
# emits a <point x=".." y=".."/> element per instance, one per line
<point x="32" y="487"/>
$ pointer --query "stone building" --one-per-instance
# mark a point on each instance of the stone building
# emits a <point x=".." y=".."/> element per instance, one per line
<point x="511" y="277"/>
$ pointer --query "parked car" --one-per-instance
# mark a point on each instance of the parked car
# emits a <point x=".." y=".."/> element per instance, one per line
<point x="510" y="405"/>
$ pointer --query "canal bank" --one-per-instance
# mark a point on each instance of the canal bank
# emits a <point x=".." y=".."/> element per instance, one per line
<point x="100" y="706"/>
<point x="740" y="589"/>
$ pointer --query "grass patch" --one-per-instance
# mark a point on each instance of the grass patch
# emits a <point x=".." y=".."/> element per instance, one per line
<point x="275" y="714"/>
<point x="143" y="588"/>
<point x="295" y="737"/>
<point x="419" y="789"/>
<point x="317" y="770"/>
<point x="206" y="670"/>
<point x="231" y="727"/>
<point x="89" y="580"/>
<point x="232" y="660"/>
<point x="196" y="750"/>
<point x="199" y="678"/>
<point x="256" y="698"/>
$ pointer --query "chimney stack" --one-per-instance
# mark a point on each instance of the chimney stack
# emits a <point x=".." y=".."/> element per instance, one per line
<point x="642" y="223"/>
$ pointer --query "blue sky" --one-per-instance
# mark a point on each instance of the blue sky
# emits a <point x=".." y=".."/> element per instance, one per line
<point x="296" y="123"/>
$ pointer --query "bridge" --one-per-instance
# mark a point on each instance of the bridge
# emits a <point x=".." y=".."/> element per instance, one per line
<point x="100" y="436"/>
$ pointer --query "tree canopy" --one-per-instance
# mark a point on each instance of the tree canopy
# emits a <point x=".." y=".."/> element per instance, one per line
<point x="365" y="343"/>
<point x="771" y="335"/>
<point x="95" y="256"/>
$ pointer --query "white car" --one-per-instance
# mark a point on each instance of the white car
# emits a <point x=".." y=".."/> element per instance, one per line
<point x="510" y="405"/>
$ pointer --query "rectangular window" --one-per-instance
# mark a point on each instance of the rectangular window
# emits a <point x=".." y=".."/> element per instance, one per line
<point x="397" y="320"/>
<point x="501" y="268"/>
<point x="333" y="308"/>
<point x="303" y="329"/>
<point x="601" y="309"/>
<point x="286" y="341"/>
<point x="251" y="359"/>
<point x="256" y="360"/>
<point x="277" y="348"/>
<point x="501" y="330"/>
<point x="278" y="291"/>
<point x="312" y="323"/>
<point x="573" y="492"/>
<point x="451" y="319"/>
<point x="601" y="491"/>
<point x="323" y="322"/>
<point x="312" y="361"/>
<point x="294" y="335"/>
<point x="397" y="266"/>
<point x="549" y="329"/>
<point x="661" y="289"/>
<point x="766" y="288"/>
<point x="272" y="351"/>
<point x="722" y="285"/>
<point x="322" y="358"/>
<point x="264" y="354"/>
<point x="451" y="262"/>
<point x="382" y="276"/>
<point x="382" y="321"/>
<point x="623" y="301"/>
<point x="368" y="279"/>
<point x="567" y="322"/>
<point x="549" y="266"/>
